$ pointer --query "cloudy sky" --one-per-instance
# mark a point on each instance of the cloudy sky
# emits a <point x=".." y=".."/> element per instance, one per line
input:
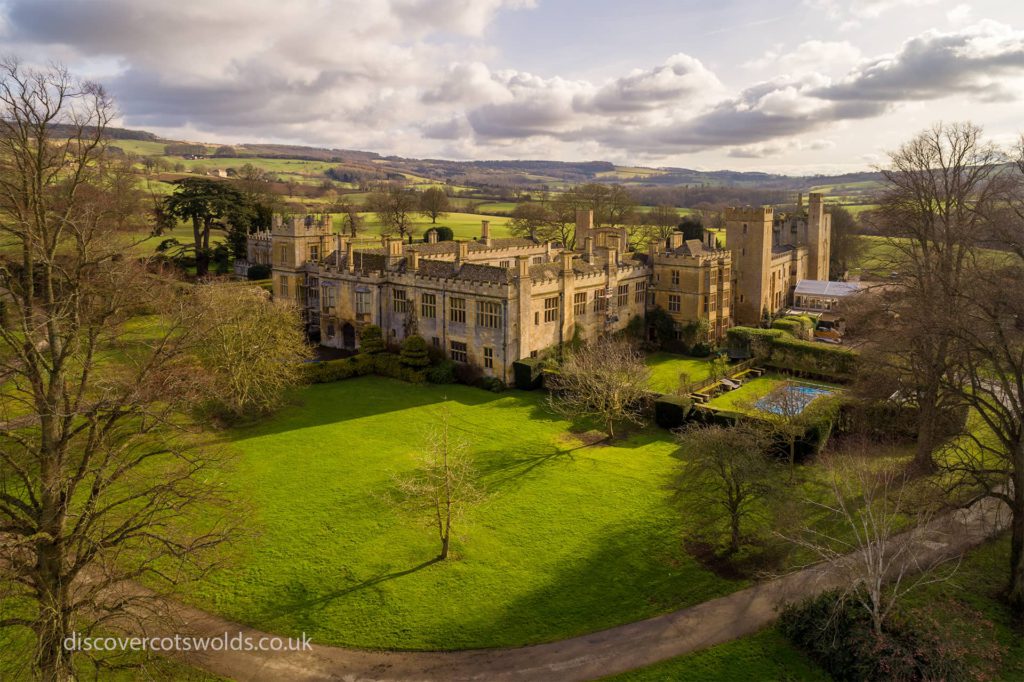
<point x="787" y="86"/>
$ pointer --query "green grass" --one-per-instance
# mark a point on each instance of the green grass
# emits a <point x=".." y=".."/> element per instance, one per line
<point x="463" y="225"/>
<point x="666" y="368"/>
<point x="764" y="656"/>
<point x="570" y="539"/>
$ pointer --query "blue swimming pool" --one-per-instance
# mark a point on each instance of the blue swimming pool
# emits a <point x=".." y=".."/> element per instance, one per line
<point x="790" y="398"/>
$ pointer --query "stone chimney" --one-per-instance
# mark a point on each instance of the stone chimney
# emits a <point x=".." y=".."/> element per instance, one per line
<point x="799" y="201"/>
<point x="588" y="248"/>
<point x="567" y="257"/>
<point x="584" y="221"/>
<point x="613" y="258"/>
<point x="462" y="252"/>
<point x="350" y="260"/>
<point x="431" y="236"/>
<point x="320" y="252"/>
<point x="337" y="250"/>
<point x="675" y="240"/>
<point x="523" y="267"/>
<point x="485" y="232"/>
<point x="395" y="247"/>
<point x="413" y="259"/>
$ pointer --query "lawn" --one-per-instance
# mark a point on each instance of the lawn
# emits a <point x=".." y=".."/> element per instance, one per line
<point x="766" y="655"/>
<point x="569" y="540"/>
<point x="666" y="368"/>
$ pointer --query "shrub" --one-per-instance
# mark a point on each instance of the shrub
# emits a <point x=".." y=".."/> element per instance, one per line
<point x="444" y="234"/>
<point x="789" y="326"/>
<point x="388" y="365"/>
<point x="527" y="373"/>
<point x="700" y="350"/>
<point x="415" y="352"/>
<point x="837" y="634"/>
<point x="441" y="373"/>
<point x="468" y="374"/>
<point x="363" y="364"/>
<point x="493" y="384"/>
<point x="371" y="341"/>
<point x="328" y="371"/>
<point x="671" y="411"/>
<point x="259" y="271"/>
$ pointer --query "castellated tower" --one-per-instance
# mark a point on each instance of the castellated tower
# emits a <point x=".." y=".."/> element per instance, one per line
<point x="295" y="242"/>
<point x="748" y="234"/>
<point x="819" y="238"/>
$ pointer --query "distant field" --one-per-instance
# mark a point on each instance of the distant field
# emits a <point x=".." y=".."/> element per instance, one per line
<point x="464" y="225"/>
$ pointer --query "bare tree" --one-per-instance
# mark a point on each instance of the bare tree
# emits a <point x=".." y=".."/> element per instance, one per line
<point x="989" y="460"/>
<point x="606" y="380"/>
<point x="931" y="213"/>
<point x="434" y="203"/>
<point x="99" y="483"/>
<point x="351" y="220"/>
<point x="443" y="483"/>
<point x="726" y="470"/>
<point x="394" y="205"/>
<point x="784" y="416"/>
<point x="252" y="348"/>
<point x="878" y="562"/>
<point x="664" y="219"/>
<point x="845" y="244"/>
<point x="532" y="219"/>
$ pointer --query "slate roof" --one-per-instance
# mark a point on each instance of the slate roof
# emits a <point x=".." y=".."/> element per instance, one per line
<point x="817" y="287"/>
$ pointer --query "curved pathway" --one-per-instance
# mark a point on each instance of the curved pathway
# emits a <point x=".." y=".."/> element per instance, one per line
<point x="588" y="657"/>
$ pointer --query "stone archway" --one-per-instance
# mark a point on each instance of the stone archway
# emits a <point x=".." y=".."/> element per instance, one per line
<point x="348" y="336"/>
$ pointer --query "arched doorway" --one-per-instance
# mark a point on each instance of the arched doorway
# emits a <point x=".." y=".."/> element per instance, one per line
<point x="348" y="336"/>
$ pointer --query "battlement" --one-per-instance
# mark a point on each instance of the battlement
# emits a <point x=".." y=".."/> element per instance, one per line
<point x="750" y="213"/>
<point x="302" y="226"/>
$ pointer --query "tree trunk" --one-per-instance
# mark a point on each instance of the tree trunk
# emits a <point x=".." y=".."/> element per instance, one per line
<point x="444" y="548"/>
<point x="52" y="626"/>
<point x="1015" y="592"/>
<point x="610" y="428"/>
<point x="203" y="250"/>
<point x="734" y="546"/>
<point x="926" y="434"/>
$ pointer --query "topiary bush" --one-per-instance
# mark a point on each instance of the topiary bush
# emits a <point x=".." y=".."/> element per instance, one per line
<point x="371" y="340"/>
<point x="527" y="373"/>
<point x="671" y="411"/>
<point x="415" y="352"/>
<point x="388" y="365"/>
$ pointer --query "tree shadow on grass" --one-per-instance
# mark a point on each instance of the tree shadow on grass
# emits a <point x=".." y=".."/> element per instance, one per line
<point x="298" y="599"/>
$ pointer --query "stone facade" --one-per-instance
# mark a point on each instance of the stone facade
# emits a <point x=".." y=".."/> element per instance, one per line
<point x="770" y="254"/>
<point x="492" y="301"/>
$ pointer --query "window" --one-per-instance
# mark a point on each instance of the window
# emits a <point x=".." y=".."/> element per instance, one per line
<point x="488" y="314"/>
<point x="436" y="341"/>
<point x="641" y="292"/>
<point x="579" y="303"/>
<point x="399" y="304"/>
<point x="721" y="276"/>
<point x="744" y="228"/>
<point x="505" y="264"/>
<point x="742" y="297"/>
<point x="674" y="304"/>
<point x="314" y="252"/>
<point x="282" y="254"/>
<point x="743" y="251"/>
<point x="712" y="304"/>
<point x="536" y="318"/>
<point x="458" y="310"/>
<point x="538" y="260"/>
<point x="327" y="298"/>
<point x="330" y="330"/>
<point x="284" y="286"/>
<point x="675" y="278"/>
<point x="551" y="309"/>
<point x="623" y="298"/>
<point x="428" y="306"/>
<point x="600" y="302"/>
<point x="458" y="352"/>
<point x="362" y="302"/>
<point x="488" y="358"/>
<point x="534" y="353"/>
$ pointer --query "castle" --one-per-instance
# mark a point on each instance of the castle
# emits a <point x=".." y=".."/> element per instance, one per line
<point x="492" y="301"/>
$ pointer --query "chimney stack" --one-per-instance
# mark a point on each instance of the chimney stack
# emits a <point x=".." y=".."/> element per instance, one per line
<point x="588" y="248"/>
<point x="485" y="232"/>
<point x="462" y="253"/>
<point x="413" y="258"/>
<point x="567" y="262"/>
<point x="320" y="252"/>
<point x="613" y="257"/>
<point x="395" y="247"/>
<point x="431" y="236"/>
<point x="337" y="250"/>
<point x="523" y="266"/>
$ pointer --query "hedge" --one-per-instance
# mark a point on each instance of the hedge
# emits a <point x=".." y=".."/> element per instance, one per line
<point x="791" y="326"/>
<point x="671" y="411"/>
<point x="779" y="349"/>
<point x="527" y="374"/>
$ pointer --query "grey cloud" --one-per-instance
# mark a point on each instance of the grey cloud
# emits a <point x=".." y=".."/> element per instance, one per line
<point x="936" y="65"/>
